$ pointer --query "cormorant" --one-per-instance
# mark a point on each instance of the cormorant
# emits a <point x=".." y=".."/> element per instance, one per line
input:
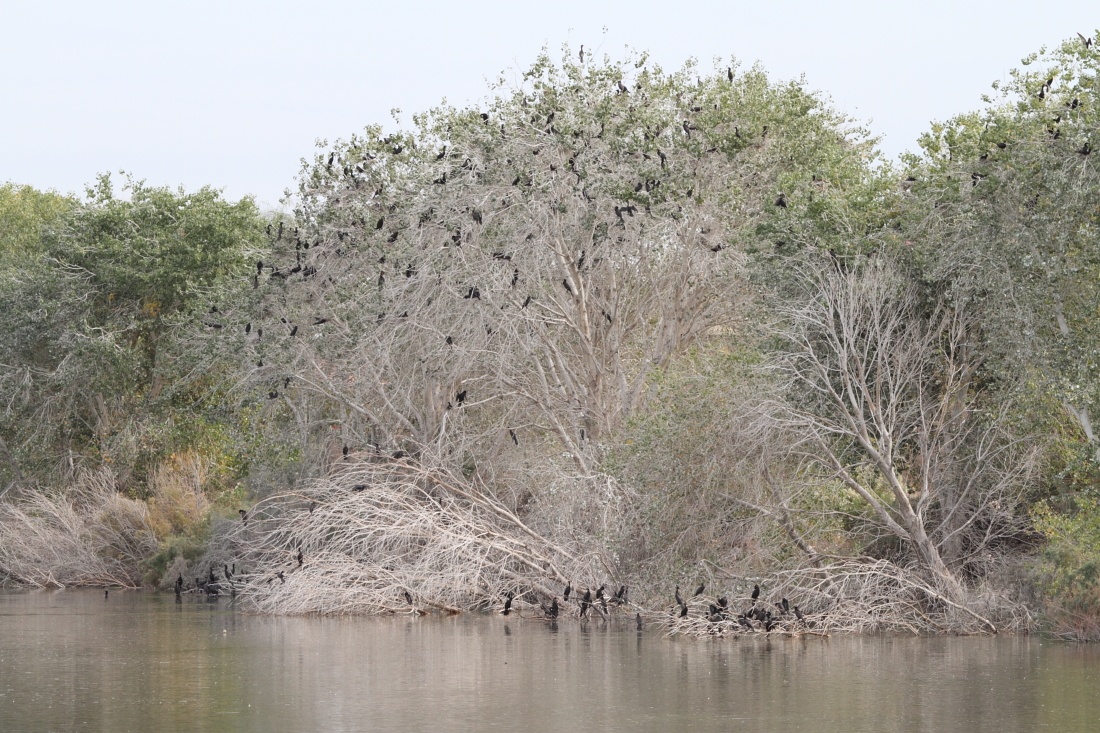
<point x="293" y="330"/>
<point x="212" y="580"/>
<point x="244" y="516"/>
<point x="344" y="450"/>
<point x="508" y="605"/>
<point x="679" y="599"/>
<point x="228" y="575"/>
<point x="781" y="202"/>
<point x="318" y="321"/>
<point x="179" y="584"/>
<point x="755" y="592"/>
<point x="638" y="621"/>
<point x="248" y="327"/>
<point x="723" y="602"/>
<point x="450" y="341"/>
<point x="460" y="397"/>
<point x="621" y="595"/>
<point x="565" y="282"/>
<point x="273" y="394"/>
<point x="683" y="610"/>
<point x="798" y="614"/>
<point x="526" y="302"/>
<point x="398" y="455"/>
<point x="554" y="608"/>
<point x="106" y="593"/>
<point x="312" y="506"/>
<point x="408" y="598"/>
<point x="786" y="606"/>
<point x="300" y="558"/>
<point x="359" y="487"/>
<point x="568" y="590"/>
<point x="699" y="591"/>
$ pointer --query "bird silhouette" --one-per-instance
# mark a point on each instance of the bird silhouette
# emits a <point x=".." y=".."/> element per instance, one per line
<point x="699" y="591"/>
<point x="280" y="576"/>
<point x="344" y="450"/>
<point x="565" y="282"/>
<point x="244" y="516"/>
<point x="554" y="608"/>
<point x="460" y="398"/>
<point x="312" y="506"/>
<point x="755" y="592"/>
<point x="679" y="599"/>
<point x="408" y="598"/>
<point x="638" y="621"/>
<point x="398" y="455"/>
<point x="359" y="487"/>
<point x="293" y="330"/>
<point x="786" y="606"/>
<point x="781" y="202"/>
<point x="508" y="605"/>
<point x="568" y="590"/>
<point x="228" y="575"/>
<point x="300" y="558"/>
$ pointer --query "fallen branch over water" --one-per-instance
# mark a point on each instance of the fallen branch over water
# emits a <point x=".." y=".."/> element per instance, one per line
<point x="393" y="537"/>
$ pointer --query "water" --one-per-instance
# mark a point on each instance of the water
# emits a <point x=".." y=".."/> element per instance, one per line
<point x="72" y="661"/>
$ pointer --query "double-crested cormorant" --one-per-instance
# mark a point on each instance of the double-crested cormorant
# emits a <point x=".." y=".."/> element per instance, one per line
<point x="301" y="559"/>
<point x="179" y="584"/>
<point x="786" y="606"/>
<point x="621" y="595"/>
<point x="508" y="604"/>
<point x="398" y="455"/>
<point x="781" y="202"/>
<point x="554" y="608"/>
<point x="359" y="487"/>
<point x="106" y="593"/>
<point x="699" y="591"/>
<point x="798" y="614"/>
<point x="586" y="602"/>
<point x="345" y="451"/>
<point x="244" y="516"/>
<point x="228" y="575"/>
<point x="679" y="598"/>
<point x="408" y="598"/>
<point x="638" y="621"/>
<point x="460" y="397"/>
<point x="568" y="590"/>
<point x="755" y="592"/>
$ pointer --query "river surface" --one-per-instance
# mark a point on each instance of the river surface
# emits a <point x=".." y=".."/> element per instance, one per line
<point x="74" y="661"/>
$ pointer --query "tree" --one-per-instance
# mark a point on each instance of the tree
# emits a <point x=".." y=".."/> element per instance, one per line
<point x="878" y="395"/>
<point x="1003" y="217"/>
<point x="519" y="272"/>
<point x="91" y="315"/>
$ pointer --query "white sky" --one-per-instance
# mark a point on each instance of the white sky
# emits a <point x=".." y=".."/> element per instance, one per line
<point x="234" y="94"/>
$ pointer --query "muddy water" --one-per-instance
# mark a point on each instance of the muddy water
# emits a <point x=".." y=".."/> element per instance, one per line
<point x="72" y="661"/>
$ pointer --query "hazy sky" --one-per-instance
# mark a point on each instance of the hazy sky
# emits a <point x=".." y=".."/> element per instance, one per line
<point x="234" y="94"/>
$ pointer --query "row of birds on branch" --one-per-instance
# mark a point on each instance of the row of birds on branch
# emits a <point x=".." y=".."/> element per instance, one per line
<point x="758" y="617"/>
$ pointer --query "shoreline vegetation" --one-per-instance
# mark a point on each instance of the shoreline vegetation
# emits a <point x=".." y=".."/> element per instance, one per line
<point x="619" y="335"/>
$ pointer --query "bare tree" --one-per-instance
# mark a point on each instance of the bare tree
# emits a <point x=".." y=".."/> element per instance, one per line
<point x="880" y="397"/>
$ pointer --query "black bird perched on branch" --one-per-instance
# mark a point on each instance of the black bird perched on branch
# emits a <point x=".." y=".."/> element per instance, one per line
<point x="508" y="605"/>
<point x="620" y="597"/>
<point x="755" y="592"/>
<point x="359" y="487"/>
<point x="565" y="282"/>
<point x="318" y="321"/>
<point x="460" y="398"/>
<point x="344" y="450"/>
<point x="679" y="599"/>
<point x="293" y="330"/>
<point x="554" y="608"/>
<point x="638" y="621"/>
<point x="450" y="341"/>
<point x="228" y="575"/>
<point x="699" y="591"/>
<point x="398" y="455"/>
<point x="586" y="602"/>
<point x="211" y="580"/>
<point x="244" y="516"/>
<point x="723" y="602"/>
<point x="568" y="590"/>
<point x="786" y="606"/>
<point x="408" y="598"/>
<point x="300" y="558"/>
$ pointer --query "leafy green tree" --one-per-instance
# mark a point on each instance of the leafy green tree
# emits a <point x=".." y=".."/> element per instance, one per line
<point x="88" y="348"/>
<point x="1004" y="214"/>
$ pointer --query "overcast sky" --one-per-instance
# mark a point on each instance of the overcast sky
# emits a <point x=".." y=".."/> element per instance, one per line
<point x="234" y="94"/>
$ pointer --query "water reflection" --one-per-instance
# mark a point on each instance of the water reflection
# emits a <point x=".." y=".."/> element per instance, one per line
<point x="76" y="661"/>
